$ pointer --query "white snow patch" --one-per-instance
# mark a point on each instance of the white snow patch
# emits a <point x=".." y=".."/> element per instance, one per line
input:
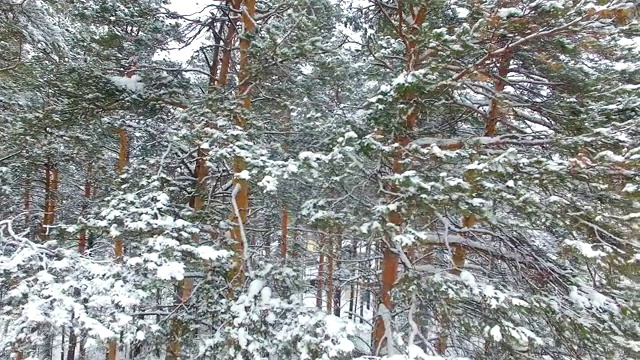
<point x="468" y="278"/>
<point x="585" y="249"/>
<point x="631" y="216"/>
<point x="171" y="270"/>
<point x="243" y="175"/>
<point x="509" y="12"/>
<point x="495" y="333"/>
<point x="271" y="318"/>
<point x="255" y="287"/>
<point x="209" y="253"/>
<point x="269" y="183"/>
<point x="461" y="12"/>
<point x="265" y="294"/>
<point x="610" y="156"/>
<point x="133" y="83"/>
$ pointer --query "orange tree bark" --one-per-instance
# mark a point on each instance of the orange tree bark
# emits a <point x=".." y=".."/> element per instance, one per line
<point x="226" y="53"/>
<point x="218" y="78"/>
<point x="123" y="140"/>
<point x="48" y="188"/>
<point x="337" y="288"/>
<point x="82" y="237"/>
<point x="185" y="287"/>
<point x="51" y="193"/>
<point x="390" y="257"/>
<point x="82" y="245"/>
<point x="491" y="121"/>
<point x="118" y="247"/>
<point x="236" y="275"/>
<point x="494" y="115"/>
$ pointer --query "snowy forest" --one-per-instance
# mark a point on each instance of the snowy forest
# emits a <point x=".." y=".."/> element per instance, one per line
<point x="319" y="179"/>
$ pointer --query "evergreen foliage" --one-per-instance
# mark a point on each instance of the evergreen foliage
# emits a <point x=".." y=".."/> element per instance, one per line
<point x="311" y="179"/>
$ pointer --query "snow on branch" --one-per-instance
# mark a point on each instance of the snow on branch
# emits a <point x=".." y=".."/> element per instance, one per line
<point x="458" y="143"/>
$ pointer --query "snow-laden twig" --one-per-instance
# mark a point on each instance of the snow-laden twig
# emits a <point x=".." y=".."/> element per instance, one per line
<point x="20" y="241"/>
<point x="509" y="47"/>
<point x="385" y="315"/>
<point x="412" y="322"/>
<point x="6" y="157"/>
<point x="480" y="140"/>
<point x="403" y="257"/>
<point x="163" y="158"/>
<point x="447" y="225"/>
<point x="246" y="13"/>
<point x="8" y="226"/>
<point x="415" y="330"/>
<point x="243" y="236"/>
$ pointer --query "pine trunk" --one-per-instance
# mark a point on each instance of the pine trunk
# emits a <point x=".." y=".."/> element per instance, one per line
<point x="353" y="296"/>
<point x="337" y="288"/>
<point x="468" y="221"/>
<point x="495" y="113"/>
<point x="320" y="283"/>
<point x="82" y="246"/>
<point x="27" y="202"/>
<point x="283" y="243"/>
<point x="123" y="140"/>
<point x="390" y="257"/>
<point x="82" y="237"/>
<point x="240" y="185"/>
<point x="330" y="265"/>
<point x="185" y="287"/>
<point x="226" y="54"/>
<point x="48" y="180"/>
<point x="51" y="189"/>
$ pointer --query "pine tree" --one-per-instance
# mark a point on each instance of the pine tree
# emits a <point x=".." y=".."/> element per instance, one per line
<point x="496" y="199"/>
